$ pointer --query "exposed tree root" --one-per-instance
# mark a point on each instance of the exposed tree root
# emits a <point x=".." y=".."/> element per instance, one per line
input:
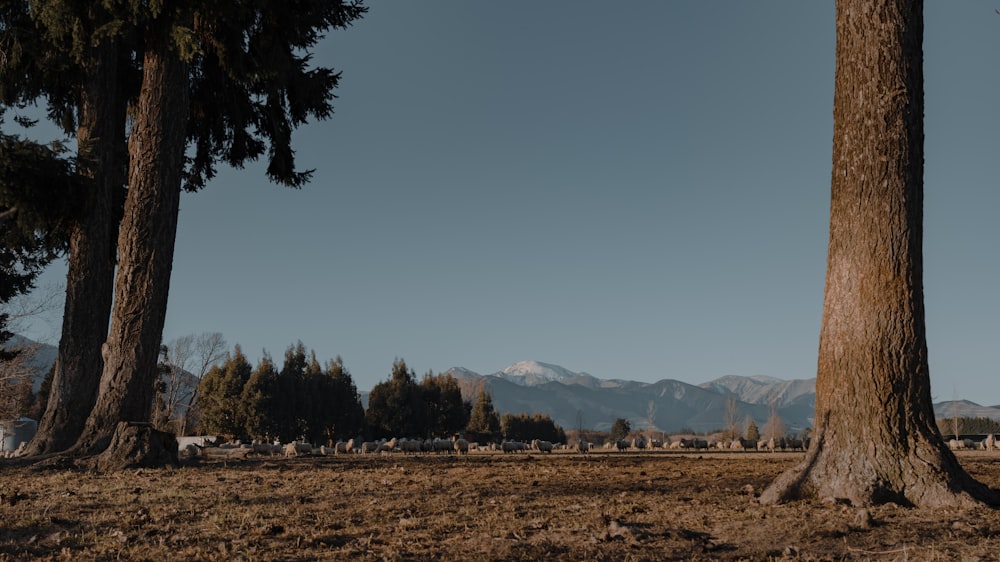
<point x="924" y="477"/>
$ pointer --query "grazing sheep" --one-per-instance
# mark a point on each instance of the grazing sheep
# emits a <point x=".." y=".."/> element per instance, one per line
<point x="583" y="447"/>
<point x="410" y="445"/>
<point x="461" y="446"/>
<point x="693" y="444"/>
<point x="387" y="446"/>
<point x="513" y="446"/>
<point x="542" y="446"/>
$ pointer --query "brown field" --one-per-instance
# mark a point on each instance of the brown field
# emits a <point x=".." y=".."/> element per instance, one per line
<point x="485" y="506"/>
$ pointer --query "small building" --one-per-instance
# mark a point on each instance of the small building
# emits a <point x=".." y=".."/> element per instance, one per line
<point x="15" y="432"/>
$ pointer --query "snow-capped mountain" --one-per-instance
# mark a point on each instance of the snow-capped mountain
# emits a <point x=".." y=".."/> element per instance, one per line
<point x="532" y="373"/>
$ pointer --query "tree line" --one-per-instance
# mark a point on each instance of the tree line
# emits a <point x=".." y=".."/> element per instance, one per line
<point x="321" y="404"/>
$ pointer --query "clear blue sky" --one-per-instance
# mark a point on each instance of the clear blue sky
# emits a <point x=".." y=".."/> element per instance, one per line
<point x="636" y="191"/>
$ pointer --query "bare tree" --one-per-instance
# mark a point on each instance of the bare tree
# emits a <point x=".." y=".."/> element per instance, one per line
<point x="875" y="439"/>
<point x="185" y="361"/>
<point x="19" y="370"/>
<point x="732" y="418"/>
<point x="16" y="373"/>
<point x="775" y="425"/>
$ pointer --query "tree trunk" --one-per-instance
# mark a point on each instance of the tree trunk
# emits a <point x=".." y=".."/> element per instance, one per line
<point x="90" y="279"/>
<point x="875" y="439"/>
<point x="137" y="445"/>
<point x="145" y="246"/>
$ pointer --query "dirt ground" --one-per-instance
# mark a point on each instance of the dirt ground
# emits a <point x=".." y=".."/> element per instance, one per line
<point x="485" y="506"/>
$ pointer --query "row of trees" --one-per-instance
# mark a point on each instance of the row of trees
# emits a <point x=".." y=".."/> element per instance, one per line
<point x="300" y="400"/>
<point x="525" y="427"/>
<point x="400" y="406"/>
<point x="304" y="400"/>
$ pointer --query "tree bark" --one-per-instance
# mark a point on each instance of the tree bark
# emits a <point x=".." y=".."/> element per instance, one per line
<point x="875" y="439"/>
<point x="145" y="246"/>
<point x="90" y="278"/>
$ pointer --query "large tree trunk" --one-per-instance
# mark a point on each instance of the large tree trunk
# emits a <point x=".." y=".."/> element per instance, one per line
<point x="145" y="246"/>
<point x="875" y="439"/>
<point x="90" y="279"/>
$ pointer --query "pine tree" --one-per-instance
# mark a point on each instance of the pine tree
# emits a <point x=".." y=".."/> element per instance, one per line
<point x="620" y="429"/>
<point x="752" y="432"/>
<point x="446" y="411"/>
<point x="483" y="420"/>
<point x="396" y="406"/>
<point x="220" y="393"/>
<point x="216" y="81"/>
<point x="347" y="416"/>
<point x="62" y="51"/>
<point x="257" y="402"/>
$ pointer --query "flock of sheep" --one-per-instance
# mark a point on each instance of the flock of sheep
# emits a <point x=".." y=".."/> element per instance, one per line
<point x="988" y="444"/>
<point x="191" y="447"/>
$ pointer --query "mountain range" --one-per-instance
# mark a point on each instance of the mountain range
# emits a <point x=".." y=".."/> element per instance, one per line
<point x="582" y="401"/>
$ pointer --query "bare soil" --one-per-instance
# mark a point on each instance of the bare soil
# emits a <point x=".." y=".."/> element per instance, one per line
<point x="484" y="506"/>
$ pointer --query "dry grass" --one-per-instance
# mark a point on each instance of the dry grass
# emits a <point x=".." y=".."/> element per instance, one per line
<point x="661" y="506"/>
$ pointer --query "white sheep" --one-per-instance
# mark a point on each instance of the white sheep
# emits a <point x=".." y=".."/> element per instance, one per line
<point x="512" y="446"/>
<point x="990" y="442"/>
<point x="461" y="446"/>
<point x="387" y="446"/>
<point x="410" y="445"/>
<point x="542" y="446"/>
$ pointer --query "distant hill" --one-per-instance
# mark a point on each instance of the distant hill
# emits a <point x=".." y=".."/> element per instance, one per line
<point x="965" y="409"/>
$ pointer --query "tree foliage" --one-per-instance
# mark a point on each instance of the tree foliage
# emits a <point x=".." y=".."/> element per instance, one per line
<point x="620" y="429"/>
<point x="301" y="400"/>
<point x="525" y="427"/>
<point x="220" y="394"/>
<point x="752" y="432"/>
<point x="257" y="403"/>
<point x="35" y="197"/>
<point x="484" y="421"/>
<point x="396" y="406"/>
<point x="447" y="413"/>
